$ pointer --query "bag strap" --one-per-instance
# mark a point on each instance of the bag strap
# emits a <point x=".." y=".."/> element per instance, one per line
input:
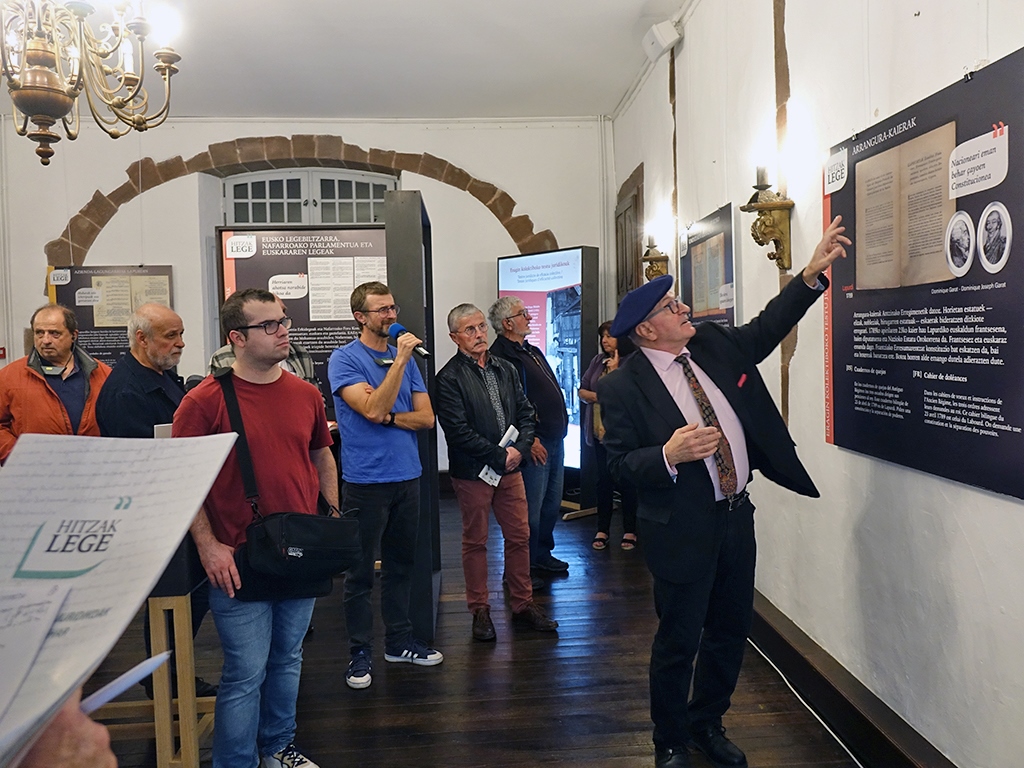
<point x="224" y="377"/>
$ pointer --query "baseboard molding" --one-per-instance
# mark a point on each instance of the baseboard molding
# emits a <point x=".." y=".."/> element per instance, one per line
<point x="877" y="736"/>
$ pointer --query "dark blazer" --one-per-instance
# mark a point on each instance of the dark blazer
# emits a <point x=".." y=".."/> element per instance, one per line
<point x="467" y="416"/>
<point x="679" y="523"/>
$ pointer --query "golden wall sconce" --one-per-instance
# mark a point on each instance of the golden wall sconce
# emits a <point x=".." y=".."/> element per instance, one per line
<point x="772" y="222"/>
<point x="656" y="261"/>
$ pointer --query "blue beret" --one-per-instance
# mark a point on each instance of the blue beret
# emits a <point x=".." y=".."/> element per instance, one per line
<point x="638" y="303"/>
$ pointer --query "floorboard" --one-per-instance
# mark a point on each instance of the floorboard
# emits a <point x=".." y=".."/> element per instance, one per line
<point x="575" y="698"/>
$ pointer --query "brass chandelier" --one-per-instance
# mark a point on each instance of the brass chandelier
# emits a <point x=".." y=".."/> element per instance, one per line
<point x="50" y="55"/>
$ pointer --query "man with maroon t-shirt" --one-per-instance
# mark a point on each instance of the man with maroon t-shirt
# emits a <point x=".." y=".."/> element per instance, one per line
<point x="289" y="441"/>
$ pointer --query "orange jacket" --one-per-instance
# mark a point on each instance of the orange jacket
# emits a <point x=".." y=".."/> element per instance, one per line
<point x="27" y="404"/>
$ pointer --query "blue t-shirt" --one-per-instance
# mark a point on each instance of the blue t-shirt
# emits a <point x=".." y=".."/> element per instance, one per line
<point x="373" y="453"/>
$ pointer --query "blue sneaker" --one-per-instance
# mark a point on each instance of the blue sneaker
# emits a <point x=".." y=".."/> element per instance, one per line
<point x="414" y="652"/>
<point x="360" y="670"/>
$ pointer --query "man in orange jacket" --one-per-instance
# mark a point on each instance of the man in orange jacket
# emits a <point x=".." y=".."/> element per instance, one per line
<point x="53" y="390"/>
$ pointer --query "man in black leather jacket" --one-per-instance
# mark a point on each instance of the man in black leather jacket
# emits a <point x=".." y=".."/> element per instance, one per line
<point x="479" y="398"/>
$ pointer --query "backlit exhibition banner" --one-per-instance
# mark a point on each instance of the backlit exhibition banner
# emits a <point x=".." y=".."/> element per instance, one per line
<point x="706" y="270"/>
<point x="550" y="285"/>
<point x="103" y="298"/>
<point x="313" y="271"/>
<point x="923" y="318"/>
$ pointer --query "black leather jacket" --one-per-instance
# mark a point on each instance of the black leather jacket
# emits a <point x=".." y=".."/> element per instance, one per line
<point x="467" y="417"/>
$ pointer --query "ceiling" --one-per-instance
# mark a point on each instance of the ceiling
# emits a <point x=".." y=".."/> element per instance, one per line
<point x="402" y="59"/>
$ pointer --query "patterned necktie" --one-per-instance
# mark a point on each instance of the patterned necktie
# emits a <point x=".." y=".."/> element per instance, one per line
<point x="723" y="456"/>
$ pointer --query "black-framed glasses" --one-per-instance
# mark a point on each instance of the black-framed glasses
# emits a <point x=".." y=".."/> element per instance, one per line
<point x="675" y="306"/>
<point x="269" y="326"/>
<point x="383" y="311"/>
<point x="524" y="313"/>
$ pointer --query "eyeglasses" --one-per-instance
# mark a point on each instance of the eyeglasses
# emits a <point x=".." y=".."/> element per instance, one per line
<point x="675" y="306"/>
<point x="269" y="326"/>
<point x="524" y="314"/>
<point x="475" y="330"/>
<point x="383" y="311"/>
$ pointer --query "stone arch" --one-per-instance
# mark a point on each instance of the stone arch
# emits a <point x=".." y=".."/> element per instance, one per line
<point x="260" y="153"/>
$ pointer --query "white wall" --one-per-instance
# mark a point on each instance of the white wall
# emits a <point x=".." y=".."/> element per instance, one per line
<point x="912" y="582"/>
<point x="552" y="169"/>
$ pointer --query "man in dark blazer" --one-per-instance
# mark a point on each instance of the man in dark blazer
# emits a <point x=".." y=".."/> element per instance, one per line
<point x="695" y="516"/>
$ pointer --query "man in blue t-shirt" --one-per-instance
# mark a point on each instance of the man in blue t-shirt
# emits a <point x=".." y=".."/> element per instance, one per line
<point x="380" y="402"/>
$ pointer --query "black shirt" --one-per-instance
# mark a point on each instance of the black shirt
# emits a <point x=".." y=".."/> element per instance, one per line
<point x="135" y="398"/>
<point x="539" y="384"/>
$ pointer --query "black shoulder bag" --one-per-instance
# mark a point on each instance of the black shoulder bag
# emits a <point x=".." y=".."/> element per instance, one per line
<point x="287" y="555"/>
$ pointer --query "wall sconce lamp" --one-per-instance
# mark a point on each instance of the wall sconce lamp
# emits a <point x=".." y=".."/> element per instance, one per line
<point x="772" y="222"/>
<point x="657" y="262"/>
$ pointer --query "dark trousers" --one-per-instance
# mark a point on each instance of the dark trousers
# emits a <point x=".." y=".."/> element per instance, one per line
<point x="388" y="515"/>
<point x="708" y="618"/>
<point x="605" y="490"/>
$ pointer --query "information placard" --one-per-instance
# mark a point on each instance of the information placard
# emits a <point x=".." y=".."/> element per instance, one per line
<point x="103" y="298"/>
<point x="313" y="271"/>
<point x="550" y="286"/>
<point x="923" y="322"/>
<point x="706" y="269"/>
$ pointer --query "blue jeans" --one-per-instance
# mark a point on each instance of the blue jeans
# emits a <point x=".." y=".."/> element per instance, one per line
<point x="388" y="516"/>
<point x="259" y="684"/>
<point x="544" y="497"/>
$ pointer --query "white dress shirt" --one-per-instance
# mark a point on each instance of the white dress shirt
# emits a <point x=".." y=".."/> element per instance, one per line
<point x="674" y="379"/>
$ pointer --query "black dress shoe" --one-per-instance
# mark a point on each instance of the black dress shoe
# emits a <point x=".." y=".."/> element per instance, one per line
<point x="535" y="618"/>
<point x="672" y="758"/>
<point x="710" y="739"/>
<point x="548" y="562"/>
<point x="483" y="627"/>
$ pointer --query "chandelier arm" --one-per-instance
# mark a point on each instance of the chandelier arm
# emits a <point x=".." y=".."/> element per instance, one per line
<point x="23" y="129"/>
<point x="71" y="128"/>
<point x="76" y="85"/>
<point x="8" y="67"/>
<point x="64" y="22"/>
<point x="97" y="90"/>
<point x="159" y="117"/>
<point x="106" y="124"/>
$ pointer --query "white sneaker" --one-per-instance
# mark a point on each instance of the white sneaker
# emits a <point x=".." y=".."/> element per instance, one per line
<point x="289" y="757"/>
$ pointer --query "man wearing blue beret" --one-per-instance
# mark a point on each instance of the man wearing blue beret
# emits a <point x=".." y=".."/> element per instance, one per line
<point x="687" y="420"/>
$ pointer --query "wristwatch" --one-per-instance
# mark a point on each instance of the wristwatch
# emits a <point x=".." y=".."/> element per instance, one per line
<point x="390" y="420"/>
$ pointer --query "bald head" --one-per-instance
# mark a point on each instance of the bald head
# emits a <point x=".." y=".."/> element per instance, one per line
<point x="155" y="333"/>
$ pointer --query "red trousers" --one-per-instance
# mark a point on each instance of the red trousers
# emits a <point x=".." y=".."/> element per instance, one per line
<point x="476" y="499"/>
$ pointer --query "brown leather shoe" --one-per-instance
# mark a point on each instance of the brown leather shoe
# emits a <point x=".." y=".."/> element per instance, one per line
<point x="535" y="618"/>
<point x="483" y="627"/>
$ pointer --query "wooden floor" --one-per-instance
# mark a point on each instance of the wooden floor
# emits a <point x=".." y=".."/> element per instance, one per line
<point x="578" y="698"/>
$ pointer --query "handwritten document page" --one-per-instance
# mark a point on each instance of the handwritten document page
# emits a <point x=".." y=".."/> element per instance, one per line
<point x="902" y="211"/>
<point x="27" y="612"/>
<point x="102" y="516"/>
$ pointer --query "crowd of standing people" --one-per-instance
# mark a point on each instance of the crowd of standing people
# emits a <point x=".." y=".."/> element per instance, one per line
<point x="677" y="415"/>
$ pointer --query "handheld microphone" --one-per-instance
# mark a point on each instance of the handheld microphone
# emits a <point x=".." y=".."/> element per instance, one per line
<point x="397" y="329"/>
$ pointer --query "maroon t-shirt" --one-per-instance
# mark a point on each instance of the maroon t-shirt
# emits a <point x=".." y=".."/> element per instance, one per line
<point x="283" y="421"/>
